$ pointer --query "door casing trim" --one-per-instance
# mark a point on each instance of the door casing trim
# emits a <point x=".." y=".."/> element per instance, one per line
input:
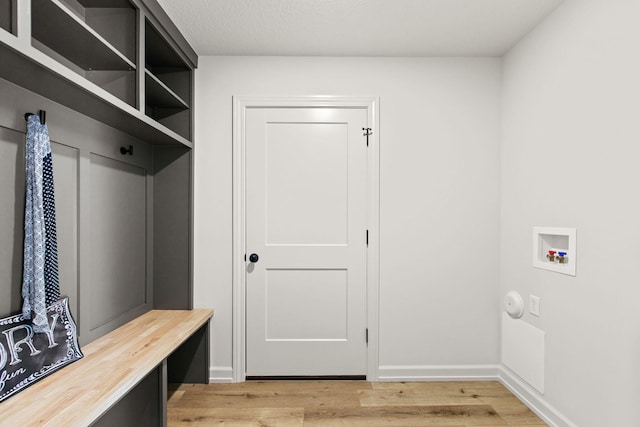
<point x="240" y="106"/>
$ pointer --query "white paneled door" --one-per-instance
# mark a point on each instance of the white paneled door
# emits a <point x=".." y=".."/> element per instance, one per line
<point x="306" y="212"/>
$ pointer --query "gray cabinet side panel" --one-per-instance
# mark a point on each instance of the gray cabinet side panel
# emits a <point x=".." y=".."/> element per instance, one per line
<point x="138" y="408"/>
<point x="6" y="15"/>
<point x="172" y="225"/>
<point x="190" y="362"/>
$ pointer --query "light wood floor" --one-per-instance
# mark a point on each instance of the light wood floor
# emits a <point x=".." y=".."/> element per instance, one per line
<point x="346" y="403"/>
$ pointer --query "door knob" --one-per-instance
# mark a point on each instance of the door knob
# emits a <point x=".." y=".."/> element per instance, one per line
<point x="254" y="257"/>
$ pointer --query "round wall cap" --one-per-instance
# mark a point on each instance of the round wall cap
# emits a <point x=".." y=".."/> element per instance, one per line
<point x="514" y="304"/>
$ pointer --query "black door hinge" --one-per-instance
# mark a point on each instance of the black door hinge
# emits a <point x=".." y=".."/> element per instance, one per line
<point x="367" y="238"/>
<point x="366" y="336"/>
<point x="367" y="133"/>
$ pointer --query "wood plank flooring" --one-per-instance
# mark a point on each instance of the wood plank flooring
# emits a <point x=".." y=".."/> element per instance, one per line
<point x="346" y="403"/>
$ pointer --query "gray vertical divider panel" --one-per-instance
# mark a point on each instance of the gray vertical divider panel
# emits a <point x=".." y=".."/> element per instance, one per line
<point x="189" y="363"/>
<point x="6" y="15"/>
<point x="141" y="407"/>
<point x="163" y="393"/>
<point x="140" y="71"/>
<point x="172" y="225"/>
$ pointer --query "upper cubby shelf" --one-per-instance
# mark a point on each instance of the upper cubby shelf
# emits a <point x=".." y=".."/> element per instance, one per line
<point x="84" y="39"/>
<point x="122" y="62"/>
<point x="159" y="94"/>
<point x="57" y="26"/>
<point x="167" y="83"/>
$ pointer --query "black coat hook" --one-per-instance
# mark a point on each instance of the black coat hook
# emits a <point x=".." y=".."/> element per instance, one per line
<point x="125" y="150"/>
<point x="41" y="113"/>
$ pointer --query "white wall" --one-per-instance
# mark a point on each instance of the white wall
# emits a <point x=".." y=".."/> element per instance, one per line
<point x="570" y="157"/>
<point x="440" y="174"/>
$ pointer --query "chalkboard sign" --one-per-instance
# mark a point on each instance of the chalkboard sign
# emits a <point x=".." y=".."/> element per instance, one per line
<point x="26" y="357"/>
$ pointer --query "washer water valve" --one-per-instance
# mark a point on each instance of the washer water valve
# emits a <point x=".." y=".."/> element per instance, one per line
<point x="551" y="256"/>
<point x="562" y="258"/>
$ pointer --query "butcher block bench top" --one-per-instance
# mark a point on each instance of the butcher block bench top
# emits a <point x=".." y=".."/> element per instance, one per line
<point x="80" y="393"/>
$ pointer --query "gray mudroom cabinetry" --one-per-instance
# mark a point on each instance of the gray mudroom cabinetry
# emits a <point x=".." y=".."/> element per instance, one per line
<point x="116" y="80"/>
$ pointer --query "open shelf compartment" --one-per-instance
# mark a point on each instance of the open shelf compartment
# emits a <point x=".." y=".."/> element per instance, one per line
<point x="56" y="25"/>
<point x="62" y="31"/>
<point x="168" y="81"/>
<point x="159" y="94"/>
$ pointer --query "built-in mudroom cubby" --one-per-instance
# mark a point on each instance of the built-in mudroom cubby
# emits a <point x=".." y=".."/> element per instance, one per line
<point x="115" y="79"/>
<point x="102" y="69"/>
<point x="123" y="213"/>
<point x="98" y="43"/>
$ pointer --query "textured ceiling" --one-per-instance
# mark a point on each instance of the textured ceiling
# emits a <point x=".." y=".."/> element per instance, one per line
<point x="356" y="27"/>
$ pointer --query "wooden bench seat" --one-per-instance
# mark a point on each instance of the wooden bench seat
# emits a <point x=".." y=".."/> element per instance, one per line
<point x="113" y="365"/>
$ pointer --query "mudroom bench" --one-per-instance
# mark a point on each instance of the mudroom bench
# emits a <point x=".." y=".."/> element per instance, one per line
<point x="122" y="379"/>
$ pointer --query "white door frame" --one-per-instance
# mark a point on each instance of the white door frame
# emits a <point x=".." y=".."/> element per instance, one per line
<point x="240" y="105"/>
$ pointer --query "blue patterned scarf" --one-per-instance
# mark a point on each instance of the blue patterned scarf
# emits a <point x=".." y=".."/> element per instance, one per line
<point x="40" y="285"/>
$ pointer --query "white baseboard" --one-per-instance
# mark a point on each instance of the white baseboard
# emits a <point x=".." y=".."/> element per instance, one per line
<point x="533" y="399"/>
<point x="220" y="374"/>
<point x="223" y="374"/>
<point x="439" y="373"/>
